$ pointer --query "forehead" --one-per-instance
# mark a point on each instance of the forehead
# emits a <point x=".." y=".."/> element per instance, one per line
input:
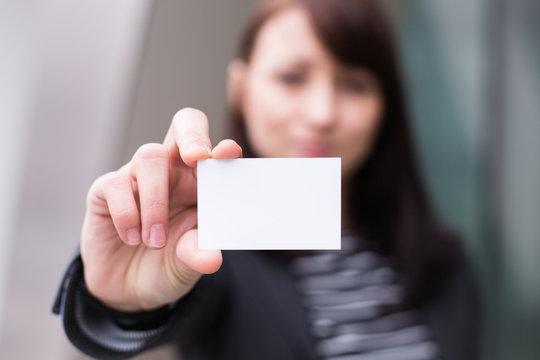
<point x="288" y="35"/>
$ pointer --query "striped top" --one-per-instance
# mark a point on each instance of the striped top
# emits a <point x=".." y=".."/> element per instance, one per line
<point x="343" y="293"/>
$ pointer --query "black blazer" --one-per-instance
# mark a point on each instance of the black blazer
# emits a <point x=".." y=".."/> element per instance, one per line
<point x="249" y="309"/>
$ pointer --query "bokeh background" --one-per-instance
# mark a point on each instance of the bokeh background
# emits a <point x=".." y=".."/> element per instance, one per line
<point x="83" y="84"/>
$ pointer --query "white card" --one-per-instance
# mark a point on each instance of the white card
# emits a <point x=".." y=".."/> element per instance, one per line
<point x="263" y="204"/>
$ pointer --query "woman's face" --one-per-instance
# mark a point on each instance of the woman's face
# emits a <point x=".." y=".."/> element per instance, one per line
<point x="299" y="101"/>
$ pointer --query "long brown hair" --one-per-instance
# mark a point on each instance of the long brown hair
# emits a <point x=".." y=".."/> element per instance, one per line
<point x="388" y="204"/>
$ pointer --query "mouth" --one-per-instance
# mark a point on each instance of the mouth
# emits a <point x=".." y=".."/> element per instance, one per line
<point x="315" y="149"/>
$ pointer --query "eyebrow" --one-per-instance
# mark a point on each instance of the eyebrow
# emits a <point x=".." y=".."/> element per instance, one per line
<point x="301" y="63"/>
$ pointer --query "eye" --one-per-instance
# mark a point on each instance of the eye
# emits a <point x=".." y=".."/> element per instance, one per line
<point x="291" y="78"/>
<point x="354" y="84"/>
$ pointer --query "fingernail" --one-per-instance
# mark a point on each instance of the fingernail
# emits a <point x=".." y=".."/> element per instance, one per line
<point x="157" y="236"/>
<point x="198" y="147"/>
<point x="133" y="236"/>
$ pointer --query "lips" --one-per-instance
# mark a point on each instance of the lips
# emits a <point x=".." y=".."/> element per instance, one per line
<point x="315" y="149"/>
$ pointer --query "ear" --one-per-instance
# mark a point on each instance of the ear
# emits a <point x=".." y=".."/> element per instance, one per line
<point x="236" y="75"/>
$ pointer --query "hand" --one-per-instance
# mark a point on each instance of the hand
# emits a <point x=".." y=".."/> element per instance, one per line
<point x="139" y="236"/>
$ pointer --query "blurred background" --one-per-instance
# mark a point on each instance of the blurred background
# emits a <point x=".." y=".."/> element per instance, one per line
<point x="83" y="84"/>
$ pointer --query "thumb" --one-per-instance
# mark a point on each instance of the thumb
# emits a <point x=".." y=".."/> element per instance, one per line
<point x="201" y="261"/>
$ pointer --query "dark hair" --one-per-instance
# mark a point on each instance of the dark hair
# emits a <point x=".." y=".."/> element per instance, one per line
<point x="388" y="204"/>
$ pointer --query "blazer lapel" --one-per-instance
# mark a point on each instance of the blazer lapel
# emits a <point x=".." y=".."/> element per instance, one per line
<point x="272" y="289"/>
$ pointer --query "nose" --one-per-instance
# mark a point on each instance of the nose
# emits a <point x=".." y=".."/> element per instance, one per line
<point x="320" y="105"/>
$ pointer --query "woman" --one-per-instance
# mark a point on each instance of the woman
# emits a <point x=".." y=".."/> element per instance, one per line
<point x="312" y="78"/>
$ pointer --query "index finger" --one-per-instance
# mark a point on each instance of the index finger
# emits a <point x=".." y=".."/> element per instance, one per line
<point x="189" y="136"/>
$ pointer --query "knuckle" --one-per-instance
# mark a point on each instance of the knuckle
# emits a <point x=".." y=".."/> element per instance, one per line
<point x="151" y="151"/>
<point x="157" y="204"/>
<point x="93" y="191"/>
<point x="125" y="214"/>
<point x="190" y="136"/>
<point x="113" y="179"/>
<point x="96" y="184"/>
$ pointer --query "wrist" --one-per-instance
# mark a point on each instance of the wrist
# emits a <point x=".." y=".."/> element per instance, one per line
<point x="130" y="317"/>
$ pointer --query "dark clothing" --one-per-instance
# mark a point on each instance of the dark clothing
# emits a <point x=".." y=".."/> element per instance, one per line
<point x="249" y="309"/>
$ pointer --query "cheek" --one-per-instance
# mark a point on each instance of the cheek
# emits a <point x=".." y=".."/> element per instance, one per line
<point x="267" y="119"/>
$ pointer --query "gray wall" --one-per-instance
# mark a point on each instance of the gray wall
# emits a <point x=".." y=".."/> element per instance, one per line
<point x="72" y="66"/>
<point x="188" y="47"/>
<point x="83" y="85"/>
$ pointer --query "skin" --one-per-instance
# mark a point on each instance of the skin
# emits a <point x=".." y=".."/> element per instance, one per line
<point x="139" y="236"/>
<point x="298" y="101"/>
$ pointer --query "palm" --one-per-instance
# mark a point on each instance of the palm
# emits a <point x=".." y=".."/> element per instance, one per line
<point x="157" y="189"/>
<point x="140" y="268"/>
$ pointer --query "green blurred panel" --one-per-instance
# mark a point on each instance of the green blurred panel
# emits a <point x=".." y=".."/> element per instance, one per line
<point x="472" y="70"/>
<point x="444" y="78"/>
<point x="520" y="173"/>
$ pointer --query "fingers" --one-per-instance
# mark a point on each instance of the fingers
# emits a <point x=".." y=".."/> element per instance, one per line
<point x="151" y="170"/>
<point x="122" y="206"/>
<point x="202" y="261"/>
<point x="189" y="131"/>
<point x="144" y="182"/>
<point x="189" y="136"/>
<point x="227" y="149"/>
<point x="137" y="196"/>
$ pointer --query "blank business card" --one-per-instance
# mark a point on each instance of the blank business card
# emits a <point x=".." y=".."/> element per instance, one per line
<point x="269" y="204"/>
